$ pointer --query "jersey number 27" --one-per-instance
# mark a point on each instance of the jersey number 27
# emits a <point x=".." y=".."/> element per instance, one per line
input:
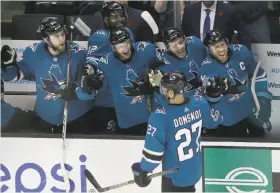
<point x="195" y="128"/>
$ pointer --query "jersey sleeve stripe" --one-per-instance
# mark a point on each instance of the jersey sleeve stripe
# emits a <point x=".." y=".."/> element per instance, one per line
<point x="153" y="152"/>
<point x="151" y="161"/>
<point x="153" y="157"/>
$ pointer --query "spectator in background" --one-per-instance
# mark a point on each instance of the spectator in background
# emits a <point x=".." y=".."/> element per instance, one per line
<point x="253" y="25"/>
<point x="203" y="16"/>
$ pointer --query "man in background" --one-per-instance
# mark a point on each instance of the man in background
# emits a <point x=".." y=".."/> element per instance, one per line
<point x="201" y="17"/>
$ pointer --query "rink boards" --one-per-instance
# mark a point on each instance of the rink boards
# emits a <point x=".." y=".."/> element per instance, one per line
<point x="32" y="165"/>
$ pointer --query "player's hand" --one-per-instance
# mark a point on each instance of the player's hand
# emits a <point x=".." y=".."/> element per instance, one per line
<point x="68" y="92"/>
<point x="8" y="56"/>
<point x="155" y="77"/>
<point x="215" y="86"/>
<point x="141" y="177"/>
<point x="139" y="88"/>
<point x="93" y="81"/>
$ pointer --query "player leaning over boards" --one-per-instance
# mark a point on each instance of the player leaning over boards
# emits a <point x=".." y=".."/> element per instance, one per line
<point x="237" y="65"/>
<point x="184" y="54"/>
<point x="46" y="64"/>
<point x="123" y="69"/>
<point x="173" y="137"/>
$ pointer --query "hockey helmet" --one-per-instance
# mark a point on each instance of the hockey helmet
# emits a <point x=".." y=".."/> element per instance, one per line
<point x="49" y="26"/>
<point x="112" y="8"/>
<point x="171" y="34"/>
<point x="119" y="35"/>
<point x="174" y="80"/>
<point x="213" y="37"/>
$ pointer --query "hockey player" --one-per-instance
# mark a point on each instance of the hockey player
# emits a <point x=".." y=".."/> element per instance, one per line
<point x="14" y="119"/>
<point x="122" y="70"/>
<point x="184" y="54"/>
<point x="113" y="15"/>
<point x="237" y="65"/>
<point x="46" y="64"/>
<point x="173" y="137"/>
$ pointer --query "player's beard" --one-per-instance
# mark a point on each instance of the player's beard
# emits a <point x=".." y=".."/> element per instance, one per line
<point x="222" y="56"/>
<point x="125" y="55"/>
<point x="59" y="48"/>
<point x="181" y="53"/>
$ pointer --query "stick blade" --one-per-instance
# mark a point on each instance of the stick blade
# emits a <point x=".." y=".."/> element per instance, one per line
<point x="92" y="180"/>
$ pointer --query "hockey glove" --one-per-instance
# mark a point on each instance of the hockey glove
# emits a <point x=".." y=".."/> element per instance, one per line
<point x="93" y="81"/>
<point x="68" y="92"/>
<point x="214" y="87"/>
<point x="139" y="88"/>
<point x="155" y="77"/>
<point x="141" y="177"/>
<point x="8" y="56"/>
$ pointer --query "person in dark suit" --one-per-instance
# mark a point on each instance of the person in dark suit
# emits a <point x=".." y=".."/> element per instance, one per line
<point x="203" y="16"/>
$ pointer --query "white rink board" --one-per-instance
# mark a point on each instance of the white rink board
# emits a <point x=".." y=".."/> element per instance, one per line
<point x="108" y="160"/>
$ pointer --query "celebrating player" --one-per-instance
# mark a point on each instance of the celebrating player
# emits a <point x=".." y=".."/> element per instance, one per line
<point x="184" y="54"/>
<point x="46" y="64"/>
<point x="113" y="15"/>
<point x="123" y="68"/>
<point x="173" y="137"/>
<point x="237" y="65"/>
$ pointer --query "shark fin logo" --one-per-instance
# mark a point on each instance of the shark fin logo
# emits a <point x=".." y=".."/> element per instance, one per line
<point x="241" y="177"/>
<point x="51" y="86"/>
<point x="142" y="46"/>
<point x="132" y="85"/>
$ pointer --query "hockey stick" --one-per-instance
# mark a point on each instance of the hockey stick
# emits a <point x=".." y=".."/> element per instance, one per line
<point x="96" y="185"/>
<point x="154" y="27"/>
<point x="65" y="117"/>
<point x="253" y="89"/>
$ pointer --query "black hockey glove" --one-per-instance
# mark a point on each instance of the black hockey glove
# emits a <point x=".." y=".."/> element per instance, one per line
<point x="214" y="87"/>
<point x="141" y="177"/>
<point x="139" y="88"/>
<point x="92" y="81"/>
<point x="68" y="92"/>
<point x="8" y="56"/>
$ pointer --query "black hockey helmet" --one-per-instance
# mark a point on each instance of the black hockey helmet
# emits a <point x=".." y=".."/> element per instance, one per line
<point x="112" y="8"/>
<point x="174" y="80"/>
<point x="214" y="36"/>
<point x="119" y="35"/>
<point x="171" y="34"/>
<point x="49" y="26"/>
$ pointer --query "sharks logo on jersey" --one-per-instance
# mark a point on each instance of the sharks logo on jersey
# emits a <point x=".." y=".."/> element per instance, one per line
<point x="131" y="76"/>
<point x="102" y="32"/>
<point x="34" y="47"/>
<point x="206" y="61"/>
<point x="142" y="46"/>
<point x="235" y="78"/>
<point x="189" y="39"/>
<point x="161" y="110"/>
<point x="104" y="59"/>
<point x="237" y="47"/>
<point x="76" y="48"/>
<point x="51" y="86"/>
